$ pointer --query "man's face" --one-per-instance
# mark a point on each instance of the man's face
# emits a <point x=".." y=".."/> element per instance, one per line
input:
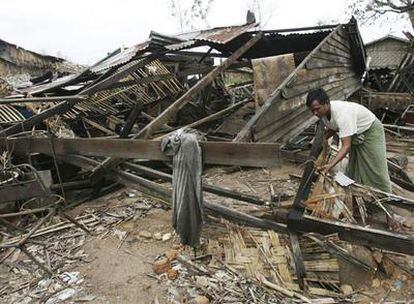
<point x="318" y="109"/>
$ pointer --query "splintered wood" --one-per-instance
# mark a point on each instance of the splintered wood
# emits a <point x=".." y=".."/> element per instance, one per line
<point x="254" y="252"/>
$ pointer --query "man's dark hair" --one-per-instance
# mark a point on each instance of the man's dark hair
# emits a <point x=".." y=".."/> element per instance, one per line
<point x="319" y="95"/>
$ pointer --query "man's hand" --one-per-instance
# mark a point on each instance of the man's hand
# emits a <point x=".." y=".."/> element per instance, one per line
<point x="325" y="168"/>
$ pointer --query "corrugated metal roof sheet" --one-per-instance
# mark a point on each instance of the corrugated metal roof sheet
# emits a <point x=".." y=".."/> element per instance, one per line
<point x="154" y="42"/>
<point x="218" y="35"/>
<point x="273" y="44"/>
<point x="222" y="35"/>
<point x="119" y="58"/>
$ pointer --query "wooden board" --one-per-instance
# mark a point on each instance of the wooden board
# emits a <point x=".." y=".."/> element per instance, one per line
<point x="220" y="153"/>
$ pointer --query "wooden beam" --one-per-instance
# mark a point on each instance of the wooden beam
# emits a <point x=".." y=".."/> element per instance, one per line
<point x="98" y="126"/>
<point x="158" y="191"/>
<point x="348" y="232"/>
<point x="305" y="185"/>
<point x="4" y="101"/>
<point x="297" y="210"/>
<point x="136" y="111"/>
<point x="155" y="190"/>
<point x="27" y="124"/>
<point x="220" y="153"/>
<point x="212" y="117"/>
<point x="366" y="236"/>
<point x="165" y="116"/>
<point x="353" y="233"/>
<point x="149" y="172"/>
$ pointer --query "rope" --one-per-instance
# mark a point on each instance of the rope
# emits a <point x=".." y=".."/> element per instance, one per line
<point x="55" y="163"/>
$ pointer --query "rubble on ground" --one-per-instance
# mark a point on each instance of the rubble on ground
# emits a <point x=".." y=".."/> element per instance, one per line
<point x="272" y="232"/>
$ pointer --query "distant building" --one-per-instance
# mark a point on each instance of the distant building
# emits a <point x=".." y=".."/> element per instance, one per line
<point x="19" y="65"/>
<point x="386" y="55"/>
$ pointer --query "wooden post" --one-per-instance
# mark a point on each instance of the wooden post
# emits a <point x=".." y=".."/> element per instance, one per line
<point x="296" y="213"/>
<point x="136" y="111"/>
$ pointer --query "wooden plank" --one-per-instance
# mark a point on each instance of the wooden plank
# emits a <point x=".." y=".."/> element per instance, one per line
<point x="288" y="117"/>
<point x="338" y="46"/>
<point x="246" y="133"/>
<point x="331" y="58"/>
<point x="296" y="212"/>
<point x="318" y="63"/>
<point x="333" y="50"/>
<point x="288" y="124"/>
<point x="40" y="99"/>
<point x="304" y="76"/>
<point x="341" y="43"/>
<point x="284" y="135"/>
<point x="302" y="194"/>
<point x="300" y="269"/>
<point x="339" y="38"/>
<point x="220" y="153"/>
<point x="366" y="236"/>
<point x="149" y="172"/>
<point x="301" y="89"/>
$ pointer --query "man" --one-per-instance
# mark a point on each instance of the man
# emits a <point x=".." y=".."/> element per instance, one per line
<point x="361" y="134"/>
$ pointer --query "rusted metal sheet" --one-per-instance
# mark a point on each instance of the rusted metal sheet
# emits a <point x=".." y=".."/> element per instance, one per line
<point x="223" y="35"/>
<point x="218" y="35"/>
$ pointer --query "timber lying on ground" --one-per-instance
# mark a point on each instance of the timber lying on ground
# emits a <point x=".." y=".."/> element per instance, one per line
<point x="219" y="153"/>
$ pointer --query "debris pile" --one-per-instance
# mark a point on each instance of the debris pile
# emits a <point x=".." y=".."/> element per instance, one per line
<point x="72" y="139"/>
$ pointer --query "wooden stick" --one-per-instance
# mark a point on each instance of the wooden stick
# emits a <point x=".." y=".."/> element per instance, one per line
<point x="288" y="293"/>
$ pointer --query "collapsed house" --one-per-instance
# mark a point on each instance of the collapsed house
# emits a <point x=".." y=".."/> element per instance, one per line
<point x="18" y="65"/>
<point x="244" y="91"/>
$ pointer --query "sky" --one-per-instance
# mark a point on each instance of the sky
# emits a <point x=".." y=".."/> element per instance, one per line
<point x="84" y="31"/>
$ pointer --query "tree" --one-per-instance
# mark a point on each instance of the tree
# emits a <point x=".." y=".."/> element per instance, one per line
<point x="191" y="14"/>
<point x="369" y="10"/>
<point x="263" y="10"/>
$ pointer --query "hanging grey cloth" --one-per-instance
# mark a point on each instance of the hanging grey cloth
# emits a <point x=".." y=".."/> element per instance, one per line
<point x="187" y="216"/>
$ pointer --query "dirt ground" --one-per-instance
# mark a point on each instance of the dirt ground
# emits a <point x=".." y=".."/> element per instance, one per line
<point x="117" y="272"/>
<point x="120" y="271"/>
